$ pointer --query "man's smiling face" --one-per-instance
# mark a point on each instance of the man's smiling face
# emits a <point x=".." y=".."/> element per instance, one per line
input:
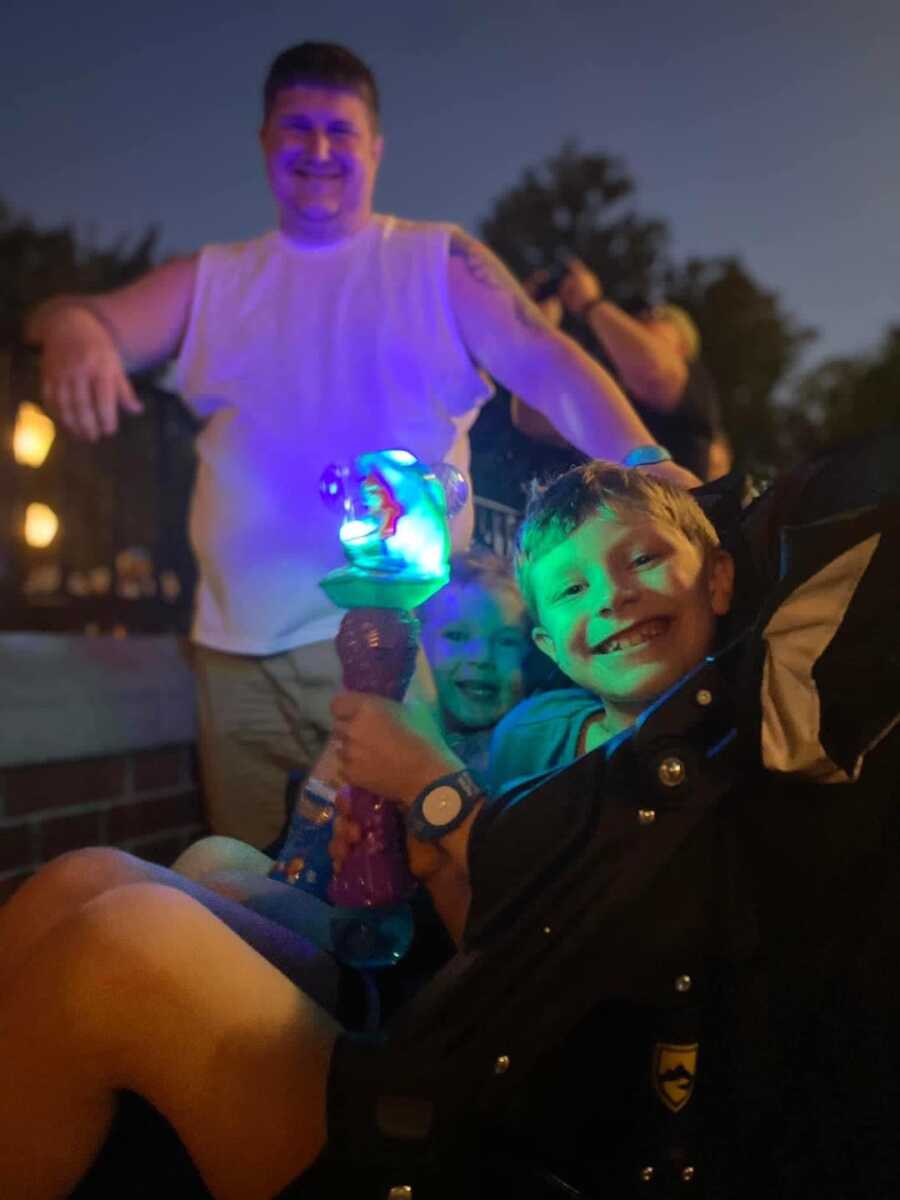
<point x="626" y="605"/>
<point x="322" y="152"/>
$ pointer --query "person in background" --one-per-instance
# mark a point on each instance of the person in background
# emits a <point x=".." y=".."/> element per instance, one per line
<point x="655" y="355"/>
<point x="340" y="332"/>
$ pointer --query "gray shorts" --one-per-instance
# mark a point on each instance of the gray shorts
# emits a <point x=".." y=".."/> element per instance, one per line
<point x="259" y="719"/>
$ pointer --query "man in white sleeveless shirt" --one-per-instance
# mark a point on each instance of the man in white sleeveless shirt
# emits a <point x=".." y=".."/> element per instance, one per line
<point x="339" y="332"/>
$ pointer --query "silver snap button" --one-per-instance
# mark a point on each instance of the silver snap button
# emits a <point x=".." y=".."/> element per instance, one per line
<point x="501" y="1064"/>
<point x="646" y="816"/>
<point x="688" y="1174"/>
<point x="683" y="983"/>
<point x="703" y="697"/>
<point x="647" y="1174"/>
<point x="402" y="1192"/>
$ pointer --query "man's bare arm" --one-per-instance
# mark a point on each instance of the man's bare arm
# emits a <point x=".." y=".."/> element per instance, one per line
<point x="89" y="343"/>
<point x="507" y="334"/>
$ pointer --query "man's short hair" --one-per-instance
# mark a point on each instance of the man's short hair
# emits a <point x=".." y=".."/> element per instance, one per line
<point x="557" y="509"/>
<point x="321" y="64"/>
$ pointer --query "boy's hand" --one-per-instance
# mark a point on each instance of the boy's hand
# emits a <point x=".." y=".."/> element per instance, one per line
<point x="390" y="749"/>
<point x="345" y="831"/>
<point x="424" y="860"/>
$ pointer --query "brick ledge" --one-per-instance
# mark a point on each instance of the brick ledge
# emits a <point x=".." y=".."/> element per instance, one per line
<point x="66" y="696"/>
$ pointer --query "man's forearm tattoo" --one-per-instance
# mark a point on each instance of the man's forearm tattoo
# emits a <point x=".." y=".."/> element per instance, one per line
<point x="484" y="270"/>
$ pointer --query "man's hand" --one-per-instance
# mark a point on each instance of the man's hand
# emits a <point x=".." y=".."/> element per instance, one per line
<point x="83" y="379"/>
<point x="671" y="472"/>
<point x="550" y="306"/>
<point x="393" y="750"/>
<point x="89" y="342"/>
<point x="579" y="288"/>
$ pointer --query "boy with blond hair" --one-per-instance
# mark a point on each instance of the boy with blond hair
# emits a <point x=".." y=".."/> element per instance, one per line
<point x="625" y="579"/>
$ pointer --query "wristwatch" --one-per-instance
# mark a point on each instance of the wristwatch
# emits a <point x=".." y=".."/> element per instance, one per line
<point x="643" y="456"/>
<point x="442" y="806"/>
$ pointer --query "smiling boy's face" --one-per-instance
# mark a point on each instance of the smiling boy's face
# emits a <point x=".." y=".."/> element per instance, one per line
<point x="626" y="605"/>
<point x="475" y="642"/>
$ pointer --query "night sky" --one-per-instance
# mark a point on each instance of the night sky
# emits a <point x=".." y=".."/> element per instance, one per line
<point x="768" y="130"/>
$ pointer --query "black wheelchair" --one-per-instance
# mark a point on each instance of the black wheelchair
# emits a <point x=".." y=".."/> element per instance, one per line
<point x="680" y="974"/>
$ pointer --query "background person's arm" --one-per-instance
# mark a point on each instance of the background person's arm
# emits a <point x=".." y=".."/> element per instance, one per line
<point x="652" y="369"/>
<point x="89" y="343"/>
<point x="507" y="334"/>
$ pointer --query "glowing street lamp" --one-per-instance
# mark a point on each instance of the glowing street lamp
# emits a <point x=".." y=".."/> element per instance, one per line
<point x="41" y="525"/>
<point x="33" y="435"/>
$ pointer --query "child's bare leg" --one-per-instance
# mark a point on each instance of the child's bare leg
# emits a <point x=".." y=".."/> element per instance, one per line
<point x="240" y="872"/>
<point x="54" y="893"/>
<point x="207" y="858"/>
<point x="145" y="990"/>
<point x="63" y="886"/>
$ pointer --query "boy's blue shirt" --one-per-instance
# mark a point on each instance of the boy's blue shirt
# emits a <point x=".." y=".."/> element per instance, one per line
<point x="540" y="733"/>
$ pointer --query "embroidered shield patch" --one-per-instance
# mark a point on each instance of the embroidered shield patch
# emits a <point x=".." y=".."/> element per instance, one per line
<point x="674" y="1072"/>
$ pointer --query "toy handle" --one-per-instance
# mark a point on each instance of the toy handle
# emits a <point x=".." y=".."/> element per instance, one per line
<point x="377" y="649"/>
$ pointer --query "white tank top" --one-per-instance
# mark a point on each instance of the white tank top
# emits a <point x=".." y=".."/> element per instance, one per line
<point x="297" y="357"/>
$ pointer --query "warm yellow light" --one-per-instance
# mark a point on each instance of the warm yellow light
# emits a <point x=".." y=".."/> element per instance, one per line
<point x="33" y="435"/>
<point x="41" y="525"/>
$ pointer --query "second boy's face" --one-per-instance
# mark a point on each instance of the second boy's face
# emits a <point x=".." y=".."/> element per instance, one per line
<point x="626" y="606"/>
<point x="475" y="642"/>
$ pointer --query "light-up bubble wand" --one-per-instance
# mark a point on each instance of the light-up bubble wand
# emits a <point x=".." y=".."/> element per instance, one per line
<point x="394" y="533"/>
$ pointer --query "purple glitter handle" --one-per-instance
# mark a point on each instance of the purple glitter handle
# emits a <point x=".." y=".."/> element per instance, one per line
<point x="377" y="649"/>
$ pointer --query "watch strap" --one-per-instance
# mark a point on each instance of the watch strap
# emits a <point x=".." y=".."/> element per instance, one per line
<point x="443" y="805"/>
<point x="643" y="456"/>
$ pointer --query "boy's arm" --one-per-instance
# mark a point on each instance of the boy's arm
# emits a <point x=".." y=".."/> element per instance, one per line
<point x="363" y="727"/>
<point x="447" y="883"/>
<point x="449" y="889"/>
<point x="89" y="342"/>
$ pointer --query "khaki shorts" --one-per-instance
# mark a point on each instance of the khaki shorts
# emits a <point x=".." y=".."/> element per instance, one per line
<point x="260" y="718"/>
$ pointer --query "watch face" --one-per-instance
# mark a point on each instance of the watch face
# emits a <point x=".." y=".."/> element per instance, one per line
<point x="441" y="805"/>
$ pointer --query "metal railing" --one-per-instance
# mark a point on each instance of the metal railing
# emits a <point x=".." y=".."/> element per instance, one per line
<point x="496" y="526"/>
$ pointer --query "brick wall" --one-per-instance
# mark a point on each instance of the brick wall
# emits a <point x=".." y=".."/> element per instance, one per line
<point x="146" y="801"/>
<point x="96" y="749"/>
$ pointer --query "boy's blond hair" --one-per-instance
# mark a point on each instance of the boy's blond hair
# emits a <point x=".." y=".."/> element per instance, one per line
<point x="480" y="567"/>
<point x="557" y="509"/>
